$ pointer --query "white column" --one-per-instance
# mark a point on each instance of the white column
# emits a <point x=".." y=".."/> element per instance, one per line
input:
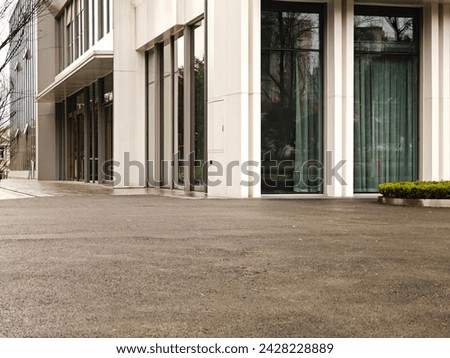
<point x="348" y="97"/>
<point x="444" y="68"/>
<point x="129" y="99"/>
<point x="339" y="98"/>
<point x="46" y="142"/>
<point x="429" y="121"/>
<point x="255" y="94"/>
<point x="46" y="116"/>
<point x="233" y="94"/>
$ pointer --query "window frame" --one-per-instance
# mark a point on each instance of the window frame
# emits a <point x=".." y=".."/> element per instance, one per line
<point x="187" y="35"/>
<point x="321" y="10"/>
<point x="394" y="11"/>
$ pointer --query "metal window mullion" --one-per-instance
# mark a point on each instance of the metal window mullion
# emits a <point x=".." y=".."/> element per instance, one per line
<point x="76" y="36"/>
<point x="86" y="25"/>
<point x="100" y="20"/>
<point x="64" y="40"/>
<point x="108" y="19"/>
<point x="65" y="144"/>
<point x="91" y="92"/>
<point x="58" y="132"/>
<point x="87" y="142"/>
<point x="146" y="126"/>
<point x="189" y="110"/>
<point x="171" y="173"/>
<point x="101" y="128"/>
<point x="159" y="101"/>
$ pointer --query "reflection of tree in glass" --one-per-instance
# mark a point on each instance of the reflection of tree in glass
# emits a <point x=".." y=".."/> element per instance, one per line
<point x="290" y="72"/>
<point x="403" y="27"/>
<point x="388" y="28"/>
<point x="199" y="75"/>
<point x="180" y="118"/>
<point x="290" y="30"/>
<point x="199" y="114"/>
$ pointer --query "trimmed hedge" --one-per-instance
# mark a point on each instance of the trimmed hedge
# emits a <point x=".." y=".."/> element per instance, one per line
<point x="416" y="190"/>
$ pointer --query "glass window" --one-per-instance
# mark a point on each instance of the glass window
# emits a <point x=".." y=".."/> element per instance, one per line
<point x="385" y="34"/>
<point x="69" y="33"/>
<point x="60" y="33"/>
<point x="167" y="129"/>
<point x="109" y="18"/>
<point x="167" y="115"/>
<point x="107" y="15"/>
<point x="386" y="98"/>
<point x="292" y="116"/>
<point x="198" y="69"/>
<point x="290" y="30"/>
<point x="80" y="26"/>
<point x="90" y="25"/>
<point x="179" y="110"/>
<point x="151" y="73"/>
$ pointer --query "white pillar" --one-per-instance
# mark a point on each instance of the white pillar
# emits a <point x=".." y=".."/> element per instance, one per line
<point x="339" y="77"/>
<point x="46" y="116"/>
<point x="129" y="99"/>
<point x="46" y="142"/>
<point x="233" y="95"/>
<point x="255" y="94"/>
<point x="444" y="68"/>
<point x="348" y="97"/>
<point x="429" y="121"/>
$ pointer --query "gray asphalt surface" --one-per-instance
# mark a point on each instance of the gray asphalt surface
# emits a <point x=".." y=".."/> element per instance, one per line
<point x="148" y="266"/>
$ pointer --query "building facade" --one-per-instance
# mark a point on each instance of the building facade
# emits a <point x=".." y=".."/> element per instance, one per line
<point x="22" y="95"/>
<point x="75" y="91"/>
<point x="246" y="98"/>
<point x="4" y="152"/>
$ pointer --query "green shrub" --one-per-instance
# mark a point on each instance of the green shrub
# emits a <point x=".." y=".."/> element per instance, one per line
<point x="416" y="190"/>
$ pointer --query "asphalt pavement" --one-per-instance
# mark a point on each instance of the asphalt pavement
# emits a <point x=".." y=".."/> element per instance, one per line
<point x="96" y="265"/>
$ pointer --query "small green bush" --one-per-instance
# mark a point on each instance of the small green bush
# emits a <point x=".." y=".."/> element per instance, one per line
<point x="416" y="190"/>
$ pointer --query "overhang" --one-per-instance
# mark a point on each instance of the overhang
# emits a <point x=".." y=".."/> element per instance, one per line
<point x="55" y="6"/>
<point x="83" y="72"/>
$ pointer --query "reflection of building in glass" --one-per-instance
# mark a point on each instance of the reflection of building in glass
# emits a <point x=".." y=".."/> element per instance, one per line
<point x="291" y="101"/>
<point x="75" y="91"/>
<point x="370" y="38"/>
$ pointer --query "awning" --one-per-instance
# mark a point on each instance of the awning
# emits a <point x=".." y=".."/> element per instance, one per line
<point x="83" y="72"/>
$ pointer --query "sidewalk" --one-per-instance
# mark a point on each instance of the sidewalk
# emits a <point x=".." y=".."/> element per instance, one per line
<point x="23" y="188"/>
<point x="154" y="266"/>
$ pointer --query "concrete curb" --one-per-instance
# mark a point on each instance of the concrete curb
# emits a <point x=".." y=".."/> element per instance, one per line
<point x="428" y="203"/>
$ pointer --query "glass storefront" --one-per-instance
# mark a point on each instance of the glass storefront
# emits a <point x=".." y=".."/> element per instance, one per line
<point x="386" y="96"/>
<point x="176" y="133"/>
<point x="292" y="104"/>
<point x="85" y="134"/>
